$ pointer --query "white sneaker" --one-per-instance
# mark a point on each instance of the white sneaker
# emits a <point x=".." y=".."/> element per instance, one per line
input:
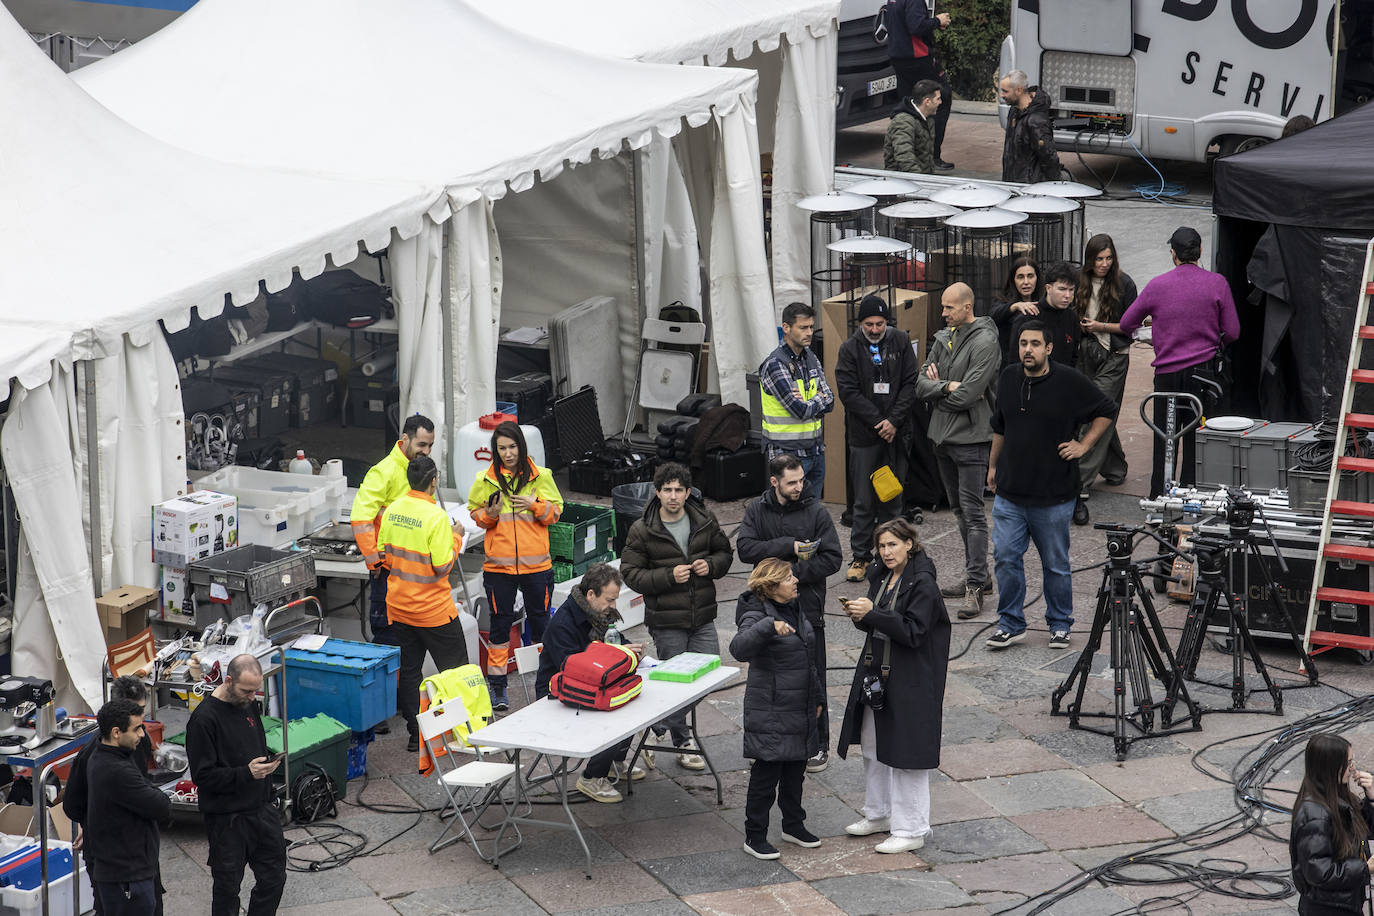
<point x="689" y="761"/>
<point x="598" y="790"/>
<point x="894" y="844"/>
<point x="866" y="827"/>
<point x="618" y="767"/>
<point x="648" y="758"/>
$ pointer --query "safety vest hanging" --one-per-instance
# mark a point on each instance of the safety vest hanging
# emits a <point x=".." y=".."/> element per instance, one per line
<point x="780" y="426"/>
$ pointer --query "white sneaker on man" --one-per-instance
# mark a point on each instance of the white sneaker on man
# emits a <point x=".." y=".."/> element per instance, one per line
<point x="618" y="767"/>
<point x="895" y="844"/>
<point x="868" y="827"/>
<point x="599" y="790"/>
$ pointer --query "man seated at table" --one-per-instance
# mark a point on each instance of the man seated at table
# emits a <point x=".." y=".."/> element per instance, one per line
<point x="581" y="620"/>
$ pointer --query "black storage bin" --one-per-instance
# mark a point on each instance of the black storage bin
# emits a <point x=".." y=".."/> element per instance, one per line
<point x="734" y="475"/>
<point x="553" y="456"/>
<point x="276" y="389"/>
<point x="239" y="407"/>
<point x="530" y="392"/>
<point x="615" y="465"/>
<point x="368" y="397"/>
<point x="317" y="385"/>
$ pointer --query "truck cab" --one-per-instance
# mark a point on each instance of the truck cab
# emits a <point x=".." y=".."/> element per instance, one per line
<point x="866" y="86"/>
<point x="1187" y="79"/>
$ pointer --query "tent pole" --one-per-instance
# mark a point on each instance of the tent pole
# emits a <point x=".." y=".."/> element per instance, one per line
<point x="87" y="372"/>
<point x="446" y="315"/>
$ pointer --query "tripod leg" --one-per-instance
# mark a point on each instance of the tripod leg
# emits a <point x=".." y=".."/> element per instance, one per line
<point x="1260" y="668"/>
<point x="1082" y="670"/>
<point x="1168" y="669"/>
<point x="1120" y="608"/>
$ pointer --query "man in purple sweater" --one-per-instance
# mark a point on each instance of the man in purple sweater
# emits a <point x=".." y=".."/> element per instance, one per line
<point x="1194" y="317"/>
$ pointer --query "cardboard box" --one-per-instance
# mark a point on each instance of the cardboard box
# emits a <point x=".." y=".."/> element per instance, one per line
<point x="124" y="611"/>
<point x="912" y="315"/>
<point x="193" y="527"/>
<point x="176" y="597"/>
<point x="916" y="312"/>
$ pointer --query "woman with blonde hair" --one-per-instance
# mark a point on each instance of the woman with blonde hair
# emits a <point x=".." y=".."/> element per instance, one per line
<point x="783" y="699"/>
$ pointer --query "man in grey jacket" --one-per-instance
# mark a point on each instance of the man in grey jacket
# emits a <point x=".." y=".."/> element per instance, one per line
<point x="958" y="378"/>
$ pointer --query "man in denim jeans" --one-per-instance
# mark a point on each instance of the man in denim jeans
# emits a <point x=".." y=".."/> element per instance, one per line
<point x="1034" y="473"/>
<point x="957" y="380"/>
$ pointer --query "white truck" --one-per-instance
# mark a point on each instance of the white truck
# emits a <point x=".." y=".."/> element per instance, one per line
<point x="1188" y="79"/>
<point x="866" y="87"/>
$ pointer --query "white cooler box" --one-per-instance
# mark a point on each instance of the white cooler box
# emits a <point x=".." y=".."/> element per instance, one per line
<point x="276" y="507"/>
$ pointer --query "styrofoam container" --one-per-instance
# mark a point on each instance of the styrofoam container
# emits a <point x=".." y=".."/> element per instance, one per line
<point x="472" y="452"/>
<point x="14" y="900"/>
<point x="276" y="507"/>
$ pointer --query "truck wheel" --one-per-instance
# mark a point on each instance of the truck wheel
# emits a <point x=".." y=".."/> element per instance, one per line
<point x="1239" y="144"/>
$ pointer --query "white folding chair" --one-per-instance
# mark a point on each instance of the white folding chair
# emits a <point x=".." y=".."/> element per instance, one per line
<point x="527" y="662"/>
<point x="471" y="787"/>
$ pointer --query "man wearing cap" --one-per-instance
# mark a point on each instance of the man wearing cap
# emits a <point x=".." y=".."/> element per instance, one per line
<point x="1193" y="317"/>
<point x="875" y="377"/>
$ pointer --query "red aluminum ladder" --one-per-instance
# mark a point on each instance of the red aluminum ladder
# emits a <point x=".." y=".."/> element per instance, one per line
<point x="1314" y="640"/>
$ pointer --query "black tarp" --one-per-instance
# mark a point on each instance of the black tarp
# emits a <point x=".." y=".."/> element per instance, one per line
<point x="1295" y="217"/>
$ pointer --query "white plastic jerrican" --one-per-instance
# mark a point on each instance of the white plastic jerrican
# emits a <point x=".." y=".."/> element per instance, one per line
<point x="276" y="507"/>
<point x="472" y="452"/>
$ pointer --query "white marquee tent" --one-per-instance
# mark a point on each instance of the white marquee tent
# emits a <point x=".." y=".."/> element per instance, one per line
<point x="106" y="231"/>
<point x="433" y="91"/>
<point x="791" y="43"/>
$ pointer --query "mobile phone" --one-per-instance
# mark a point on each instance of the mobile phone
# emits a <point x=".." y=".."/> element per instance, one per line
<point x="844" y="602"/>
<point x="273" y="757"/>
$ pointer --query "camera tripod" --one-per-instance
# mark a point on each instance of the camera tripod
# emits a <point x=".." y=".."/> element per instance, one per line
<point x="1138" y="652"/>
<point x="1216" y="588"/>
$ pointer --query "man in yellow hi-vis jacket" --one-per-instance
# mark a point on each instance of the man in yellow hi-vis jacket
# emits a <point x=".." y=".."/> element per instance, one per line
<point x="418" y="545"/>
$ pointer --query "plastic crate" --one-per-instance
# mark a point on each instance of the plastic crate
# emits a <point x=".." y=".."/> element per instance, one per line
<point x="357" y="753"/>
<point x="1219" y="459"/>
<point x="277" y="507"/>
<point x="317" y="739"/>
<point x="1307" y="489"/>
<point x="582" y="531"/>
<point x="249" y="575"/>
<point x="563" y="571"/>
<point x="354" y="682"/>
<point x="24" y="896"/>
<point x="1266" y="454"/>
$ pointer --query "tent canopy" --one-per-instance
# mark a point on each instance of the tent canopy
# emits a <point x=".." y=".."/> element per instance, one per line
<point x="422" y="89"/>
<point x="110" y="230"/>
<point x="675" y="32"/>
<point x="1320" y="177"/>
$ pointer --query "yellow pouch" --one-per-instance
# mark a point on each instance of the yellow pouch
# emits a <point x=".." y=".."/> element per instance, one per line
<point x="885" y="484"/>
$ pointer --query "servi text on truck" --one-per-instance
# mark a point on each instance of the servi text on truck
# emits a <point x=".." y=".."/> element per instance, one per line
<point x="1186" y="79"/>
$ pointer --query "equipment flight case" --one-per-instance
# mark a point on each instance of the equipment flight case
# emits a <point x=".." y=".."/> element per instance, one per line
<point x="277" y="389"/>
<point x="595" y="463"/>
<point x="316" y="385"/>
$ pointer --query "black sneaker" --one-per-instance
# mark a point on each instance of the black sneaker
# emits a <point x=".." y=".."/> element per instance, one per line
<point x="1059" y="639"/>
<point x="1001" y="639"/>
<point x="413" y="743"/>
<point x="819" y="762"/>
<point x="761" y="849"/>
<point x="801" y="837"/>
<point x="943" y="166"/>
<point x="1080" y="512"/>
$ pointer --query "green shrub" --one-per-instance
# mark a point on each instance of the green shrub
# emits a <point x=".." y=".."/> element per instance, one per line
<point x="970" y="46"/>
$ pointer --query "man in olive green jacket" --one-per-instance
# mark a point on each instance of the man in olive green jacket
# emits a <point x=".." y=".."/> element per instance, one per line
<point x="910" y="142"/>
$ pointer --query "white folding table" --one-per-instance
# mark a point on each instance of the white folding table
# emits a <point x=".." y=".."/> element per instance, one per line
<point x="562" y="733"/>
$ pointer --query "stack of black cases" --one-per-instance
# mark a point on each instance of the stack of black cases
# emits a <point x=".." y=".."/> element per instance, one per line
<point x="741" y="474"/>
<point x="276" y="388"/>
<point x="316" y="385"/>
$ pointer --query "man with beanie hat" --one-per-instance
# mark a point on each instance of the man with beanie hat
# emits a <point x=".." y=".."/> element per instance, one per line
<point x="875" y="378"/>
<point x="1194" y="316"/>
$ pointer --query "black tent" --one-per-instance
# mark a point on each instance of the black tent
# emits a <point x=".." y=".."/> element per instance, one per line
<point x="1294" y="221"/>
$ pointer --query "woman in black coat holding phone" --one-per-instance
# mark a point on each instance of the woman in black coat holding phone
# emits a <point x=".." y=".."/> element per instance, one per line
<point x="783" y="699"/>
<point x="894" y="707"/>
<point x="1332" y="820"/>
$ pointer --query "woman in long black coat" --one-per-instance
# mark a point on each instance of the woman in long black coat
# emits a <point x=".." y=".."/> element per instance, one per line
<point x="783" y="699"/>
<point x="1332" y="822"/>
<point x="907" y="651"/>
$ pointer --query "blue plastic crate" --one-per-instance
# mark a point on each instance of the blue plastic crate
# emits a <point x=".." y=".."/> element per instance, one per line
<point x="353" y="682"/>
<point x="357" y="753"/>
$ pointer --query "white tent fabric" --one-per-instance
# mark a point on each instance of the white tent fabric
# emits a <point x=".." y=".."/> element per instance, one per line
<point x="745" y="33"/>
<point x="108" y="231"/>
<point x="234" y="68"/>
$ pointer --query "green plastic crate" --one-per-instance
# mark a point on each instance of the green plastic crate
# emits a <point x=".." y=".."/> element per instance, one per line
<point x="562" y="571"/>
<point x="582" y="531"/>
<point x="318" y="739"/>
<point x="684" y="668"/>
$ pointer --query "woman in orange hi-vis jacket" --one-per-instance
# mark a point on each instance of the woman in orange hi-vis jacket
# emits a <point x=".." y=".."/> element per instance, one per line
<point x="516" y="501"/>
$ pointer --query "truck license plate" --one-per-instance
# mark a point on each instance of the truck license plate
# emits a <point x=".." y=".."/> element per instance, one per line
<point x="878" y="87"/>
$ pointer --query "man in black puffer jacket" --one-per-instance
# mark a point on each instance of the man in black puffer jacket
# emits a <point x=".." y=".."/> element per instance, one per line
<point x="1028" y="153"/>
<point x="786" y="524"/>
<point x="672" y="557"/>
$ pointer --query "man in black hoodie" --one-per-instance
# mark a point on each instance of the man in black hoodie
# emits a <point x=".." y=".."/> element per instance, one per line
<point x="122" y="815"/>
<point x="791" y="525"/>
<point x="1057" y="315"/>
<point x="1033" y="473"/>
<point x="1028" y="153"/>
<point x="875" y="378"/>
<point x="227" y="749"/>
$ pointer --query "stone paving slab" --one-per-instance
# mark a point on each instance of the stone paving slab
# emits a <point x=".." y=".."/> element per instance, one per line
<point x="966" y="724"/>
<point x="668" y="906"/>
<point x="1012" y="795"/>
<point x="826" y="816"/>
<point x="969" y="841"/>
<point x="1190" y="810"/>
<point x="794" y="899"/>
<point x="1088" y="859"/>
<point x="495" y="898"/>
<point x="951" y="801"/>
<point x="706" y="832"/>
<point x="891" y="892"/>
<point x="1092" y="901"/>
<point x="1164" y="776"/>
<point x="617" y="883"/>
<point x="1084" y="748"/>
<point x="362" y="906"/>
<point x="1075" y="828"/>
<point x="1025" y="874"/>
<point x="844" y="855"/>
<point x="394" y="873"/>
<point x="652" y="799"/>
<point x="716" y="871"/>
<point x="997" y="758"/>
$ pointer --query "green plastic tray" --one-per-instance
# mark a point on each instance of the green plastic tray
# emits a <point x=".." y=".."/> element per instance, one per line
<point x="684" y="668"/>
